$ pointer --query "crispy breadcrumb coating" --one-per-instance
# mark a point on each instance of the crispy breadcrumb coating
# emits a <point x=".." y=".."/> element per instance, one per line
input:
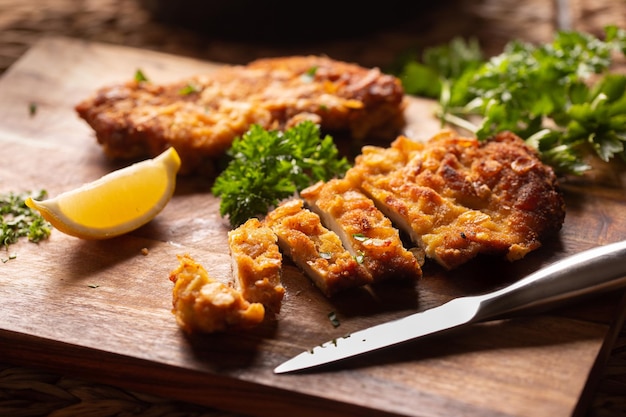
<point x="203" y="304"/>
<point x="458" y="197"/>
<point x="364" y="230"/>
<point x="257" y="264"/>
<point x="201" y="116"/>
<point x="315" y="249"/>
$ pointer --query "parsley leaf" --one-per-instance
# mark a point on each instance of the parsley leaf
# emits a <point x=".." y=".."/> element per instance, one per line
<point x="439" y="64"/>
<point x="267" y="166"/>
<point x="560" y="96"/>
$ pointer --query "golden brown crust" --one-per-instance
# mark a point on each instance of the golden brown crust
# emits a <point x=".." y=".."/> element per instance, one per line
<point x="458" y="197"/>
<point x="315" y="249"/>
<point x="138" y="119"/>
<point x="257" y="264"/>
<point x="203" y="304"/>
<point x="364" y="230"/>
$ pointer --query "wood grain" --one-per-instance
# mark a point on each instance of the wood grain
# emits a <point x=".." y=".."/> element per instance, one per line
<point x="102" y="309"/>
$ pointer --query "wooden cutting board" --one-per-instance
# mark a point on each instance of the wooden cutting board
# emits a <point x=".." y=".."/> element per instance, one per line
<point x="101" y="310"/>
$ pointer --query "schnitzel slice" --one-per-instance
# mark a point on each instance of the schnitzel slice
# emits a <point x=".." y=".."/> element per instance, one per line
<point x="257" y="264"/>
<point x="364" y="230"/>
<point x="457" y="197"/>
<point x="201" y="116"/>
<point x="316" y="250"/>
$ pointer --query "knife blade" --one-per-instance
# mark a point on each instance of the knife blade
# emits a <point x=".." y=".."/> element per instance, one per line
<point x="598" y="269"/>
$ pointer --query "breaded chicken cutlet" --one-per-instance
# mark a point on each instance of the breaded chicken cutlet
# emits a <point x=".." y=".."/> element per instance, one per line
<point x="459" y="197"/>
<point x="202" y="115"/>
<point x="364" y="230"/>
<point x="454" y="197"/>
<point x="257" y="264"/>
<point x="315" y="249"/>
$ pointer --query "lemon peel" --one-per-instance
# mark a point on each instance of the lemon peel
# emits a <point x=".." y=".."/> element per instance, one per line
<point x="116" y="203"/>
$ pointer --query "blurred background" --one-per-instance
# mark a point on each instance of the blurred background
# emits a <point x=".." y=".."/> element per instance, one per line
<point x="239" y="31"/>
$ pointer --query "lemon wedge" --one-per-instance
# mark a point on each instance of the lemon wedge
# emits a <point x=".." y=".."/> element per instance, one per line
<point x="117" y="203"/>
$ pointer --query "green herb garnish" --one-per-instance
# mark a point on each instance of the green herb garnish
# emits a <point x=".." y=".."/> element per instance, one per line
<point x="326" y="255"/>
<point x="559" y="96"/>
<point x="332" y="316"/>
<point x="360" y="237"/>
<point x="19" y="220"/>
<point x="140" y="76"/>
<point x="309" y="75"/>
<point x="359" y="257"/>
<point x="189" y="89"/>
<point x="266" y="167"/>
<point x="438" y="65"/>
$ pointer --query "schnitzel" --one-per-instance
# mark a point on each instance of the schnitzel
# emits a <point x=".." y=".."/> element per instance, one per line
<point x="202" y="115"/>
<point x="458" y="197"/>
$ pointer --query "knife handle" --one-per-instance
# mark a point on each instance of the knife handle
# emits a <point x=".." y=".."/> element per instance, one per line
<point x="599" y="269"/>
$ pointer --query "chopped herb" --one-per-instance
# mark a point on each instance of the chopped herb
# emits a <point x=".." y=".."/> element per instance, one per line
<point x="189" y="89"/>
<point x="309" y="75"/>
<point x="267" y="166"/>
<point x="360" y="237"/>
<point x="140" y="76"/>
<point x="93" y="285"/>
<point x="559" y="96"/>
<point x="333" y="319"/>
<point x="18" y="220"/>
<point x="359" y="257"/>
<point x="32" y="109"/>
<point x="11" y="256"/>
<point x="38" y="230"/>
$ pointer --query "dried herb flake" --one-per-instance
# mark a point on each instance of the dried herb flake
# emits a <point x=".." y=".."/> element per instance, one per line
<point x="18" y="220"/>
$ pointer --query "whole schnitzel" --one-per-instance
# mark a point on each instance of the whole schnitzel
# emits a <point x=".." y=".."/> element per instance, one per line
<point x="202" y="115"/>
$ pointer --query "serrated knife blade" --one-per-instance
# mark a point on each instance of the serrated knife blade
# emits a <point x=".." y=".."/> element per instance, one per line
<point x="598" y="269"/>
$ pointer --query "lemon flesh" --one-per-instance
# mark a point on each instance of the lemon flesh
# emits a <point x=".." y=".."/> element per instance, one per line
<point x="117" y="203"/>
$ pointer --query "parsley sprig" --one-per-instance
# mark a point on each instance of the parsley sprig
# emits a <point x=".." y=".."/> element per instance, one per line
<point x="18" y="220"/>
<point x="267" y="166"/>
<point x="560" y="96"/>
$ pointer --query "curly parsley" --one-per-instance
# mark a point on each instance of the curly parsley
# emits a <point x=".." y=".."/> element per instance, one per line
<point x="18" y="220"/>
<point x="560" y="96"/>
<point x="267" y="166"/>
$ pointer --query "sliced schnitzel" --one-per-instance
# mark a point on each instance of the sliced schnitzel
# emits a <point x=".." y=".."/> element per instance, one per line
<point x="364" y="230"/>
<point x="317" y="250"/>
<point x="459" y="197"/>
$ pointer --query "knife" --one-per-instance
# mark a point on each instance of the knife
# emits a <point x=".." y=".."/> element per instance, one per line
<point x="598" y="269"/>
